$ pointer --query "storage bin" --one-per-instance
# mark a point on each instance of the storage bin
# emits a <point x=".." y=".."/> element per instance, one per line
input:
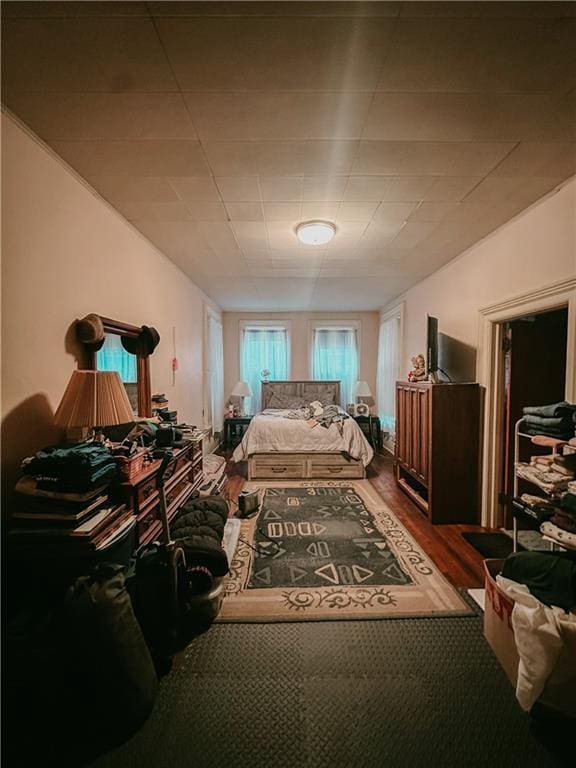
<point x="498" y="621"/>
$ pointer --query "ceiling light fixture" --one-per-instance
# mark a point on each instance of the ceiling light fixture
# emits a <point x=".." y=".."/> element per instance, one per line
<point x="315" y="232"/>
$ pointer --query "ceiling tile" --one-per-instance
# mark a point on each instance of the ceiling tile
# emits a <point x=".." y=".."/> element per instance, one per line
<point x="278" y="189"/>
<point x="356" y="211"/>
<point x="282" y="236"/>
<point x="225" y="116"/>
<point x="143" y="189"/>
<point x="282" y="211"/>
<point x="394" y="211"/>
<point x="285" y="54"/>
<point x="154" y="211"/>
<point x="250" y="234"/>
<point x="450" y="189"/>
<point x="200" y="189"/>
<point x="539" y="159"/>
<point x="239" y="189"/>
<point x="206" y="211"/>
<point x="138" y="158"/>
<point x="413" y="233"/>
<point x="75" y="116"/>
<point x="245" y="211"/>
<point x="319" y="210"/>
<point x="323" y="188"/>
<point x="84" y="54"/>
<point x="379" y="233"/>
<point x="432" y="211"/>
<point x="280" y="158"/>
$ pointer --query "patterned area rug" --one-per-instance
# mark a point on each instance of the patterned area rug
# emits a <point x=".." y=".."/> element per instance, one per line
<point x="331" y="550"/>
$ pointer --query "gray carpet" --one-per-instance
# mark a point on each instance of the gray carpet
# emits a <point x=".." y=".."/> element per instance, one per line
<point x="399" y="693"/>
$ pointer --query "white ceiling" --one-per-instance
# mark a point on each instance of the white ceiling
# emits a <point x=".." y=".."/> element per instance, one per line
<point x="417" y="128"/>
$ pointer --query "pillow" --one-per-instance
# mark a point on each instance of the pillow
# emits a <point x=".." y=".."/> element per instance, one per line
<point x="279" y="400"/>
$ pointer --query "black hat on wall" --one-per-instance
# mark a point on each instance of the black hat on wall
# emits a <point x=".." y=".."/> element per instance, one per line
<point x="143" y="344"/>
<point x="90" y="331"/>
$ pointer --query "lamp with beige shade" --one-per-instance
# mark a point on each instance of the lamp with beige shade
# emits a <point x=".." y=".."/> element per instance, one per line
<point x="92" y="400"/>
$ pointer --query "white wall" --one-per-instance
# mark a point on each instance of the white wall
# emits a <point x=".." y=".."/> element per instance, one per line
<point x="536" y="249"/>
<point x="300" y="342"/>
<point x="67" y="253"/>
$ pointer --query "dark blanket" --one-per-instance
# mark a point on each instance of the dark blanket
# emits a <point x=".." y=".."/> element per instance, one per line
<point x="199" y="528"/>
<point x="550" y="576"/>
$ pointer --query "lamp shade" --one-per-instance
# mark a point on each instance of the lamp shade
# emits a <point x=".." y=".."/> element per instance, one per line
<point x="94" y="399"/>
<point x="242" y="389"/>
<point x="362" y="389"/>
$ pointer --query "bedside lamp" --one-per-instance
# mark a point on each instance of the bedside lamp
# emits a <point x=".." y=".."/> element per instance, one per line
<point x="362" y="390"/>
<point x="94" y="399"/>
<point x="241" y="390"/>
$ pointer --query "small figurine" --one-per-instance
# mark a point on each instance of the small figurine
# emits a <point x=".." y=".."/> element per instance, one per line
<point x="418" y="372"/>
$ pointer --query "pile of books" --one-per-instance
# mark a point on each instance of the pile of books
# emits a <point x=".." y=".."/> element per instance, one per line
<point x="69" y="523"/>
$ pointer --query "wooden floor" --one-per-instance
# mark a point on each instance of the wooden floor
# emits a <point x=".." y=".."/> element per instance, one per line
<point x="458" y="561"/>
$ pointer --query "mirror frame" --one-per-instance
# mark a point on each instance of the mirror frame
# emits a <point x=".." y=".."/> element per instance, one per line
<point x="142" y="363"/>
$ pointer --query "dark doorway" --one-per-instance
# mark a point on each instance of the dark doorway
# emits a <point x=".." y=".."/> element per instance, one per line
<point x="534" y="352"/>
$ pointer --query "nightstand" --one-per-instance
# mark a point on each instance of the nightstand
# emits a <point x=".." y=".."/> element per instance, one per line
<point x="234" y="428"/>
<point x="370" y="425"/>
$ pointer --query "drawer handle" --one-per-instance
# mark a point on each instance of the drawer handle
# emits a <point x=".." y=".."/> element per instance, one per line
<point x="278" y="469"/>
<point x="335" y="470"/>
<point x="148" y="519"/>
<point x="147" y="490"/>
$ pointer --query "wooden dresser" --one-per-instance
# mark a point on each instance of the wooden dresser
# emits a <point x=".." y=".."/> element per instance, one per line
<point x="182" y="478"/>
<point x="437" y="457"/>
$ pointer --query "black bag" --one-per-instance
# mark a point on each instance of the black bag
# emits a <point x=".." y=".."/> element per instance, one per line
<point x="80" y="676"/>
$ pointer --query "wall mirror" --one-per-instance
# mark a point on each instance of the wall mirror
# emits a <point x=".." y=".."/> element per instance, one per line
<point x="134" y="369"/>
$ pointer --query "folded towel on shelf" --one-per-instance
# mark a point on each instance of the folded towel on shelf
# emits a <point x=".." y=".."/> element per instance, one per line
<point x="551" y="482"/>
<point x="550" y="411"/>
<point x="554" y="422"/>
<point x="563" y="434"/>
<point x="562" y="537"/>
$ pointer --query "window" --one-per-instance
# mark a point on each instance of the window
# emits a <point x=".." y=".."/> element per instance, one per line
<point x="113" y="357"/>
<point x="388" y="369"/>
<point x="214" y="373"/>
<point x="263" y="347"/>
<point x="335" y="358"/>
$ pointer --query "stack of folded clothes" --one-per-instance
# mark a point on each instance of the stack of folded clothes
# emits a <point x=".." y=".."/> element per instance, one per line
<point x="71" y="468"/>
<point x="542" y="475"/>
<point x="562" y="525"/>
<point x="556" y="420"/>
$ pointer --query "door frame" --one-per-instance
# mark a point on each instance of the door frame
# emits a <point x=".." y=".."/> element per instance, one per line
<point x="491" y="375"/>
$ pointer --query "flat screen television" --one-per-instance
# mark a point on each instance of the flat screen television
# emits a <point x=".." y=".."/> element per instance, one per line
<point x="431" y="344"/>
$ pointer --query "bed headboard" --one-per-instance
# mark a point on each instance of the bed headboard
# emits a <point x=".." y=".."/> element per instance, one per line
<point x="274" y="393"/>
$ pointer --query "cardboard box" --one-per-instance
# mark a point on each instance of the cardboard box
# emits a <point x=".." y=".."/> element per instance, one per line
<point x="498" y="621"/>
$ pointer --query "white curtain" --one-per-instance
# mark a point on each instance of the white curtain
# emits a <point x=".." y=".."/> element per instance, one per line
<point x="262" y="349"/>
<point x="335" y="358"/>
<point x="215" y="370"/>
<point x="388" y="372"/>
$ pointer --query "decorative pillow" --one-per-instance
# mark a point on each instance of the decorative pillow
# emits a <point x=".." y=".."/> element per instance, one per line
<point x="279" y="400"/>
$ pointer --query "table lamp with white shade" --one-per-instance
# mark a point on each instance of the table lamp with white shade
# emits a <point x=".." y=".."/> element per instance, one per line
<point x="362" y="390"/>
<point x="241" y="390"/>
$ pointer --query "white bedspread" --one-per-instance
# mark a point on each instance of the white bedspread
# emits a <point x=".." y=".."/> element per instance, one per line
<point x="272" y="432"/>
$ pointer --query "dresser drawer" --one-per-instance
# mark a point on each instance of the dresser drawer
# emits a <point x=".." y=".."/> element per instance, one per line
<point x="146" y="521"/>
<point x="145" y="491"/>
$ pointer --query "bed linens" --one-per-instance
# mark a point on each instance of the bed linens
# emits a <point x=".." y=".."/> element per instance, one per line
<point x="275" y="431"/>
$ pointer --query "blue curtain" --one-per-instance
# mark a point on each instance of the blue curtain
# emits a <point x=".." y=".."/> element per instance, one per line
<point x="335" y="358"/>
<point x="113" y="357"/>
<point x="262" y="348"/>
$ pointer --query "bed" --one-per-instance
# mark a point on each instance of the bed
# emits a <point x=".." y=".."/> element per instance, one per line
<point x="277" y="446"/>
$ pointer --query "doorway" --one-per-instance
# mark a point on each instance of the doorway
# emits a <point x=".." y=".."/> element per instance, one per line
<point x="534" y="365"/>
